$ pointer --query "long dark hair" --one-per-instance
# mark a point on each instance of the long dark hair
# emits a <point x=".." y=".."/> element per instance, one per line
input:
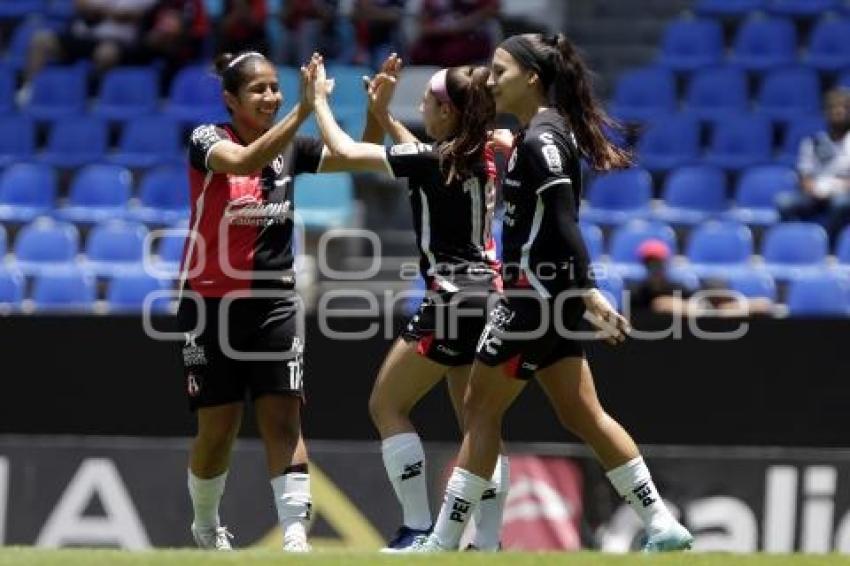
<point x="566" y="84"/>
<point x="467" y="89"/>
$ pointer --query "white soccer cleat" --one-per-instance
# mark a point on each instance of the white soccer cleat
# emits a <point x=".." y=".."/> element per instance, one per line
<point x="423" y="544"/>
<point x="672" y="539"/>
<point x="216" y="538"/>
<point x="296" y="544"/>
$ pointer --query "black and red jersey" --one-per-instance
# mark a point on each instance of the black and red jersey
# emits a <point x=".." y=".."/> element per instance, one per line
<point x="453" y="221"/>
<point x="243" y="224"/>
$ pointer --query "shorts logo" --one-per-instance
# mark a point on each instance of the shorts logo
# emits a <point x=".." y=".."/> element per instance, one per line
<point x="447" y="351"/>
<point x="488" y="342"/>
<point x="553" y="158"/>
<point x="193" y="355"/>
<point x="192" y="385"/>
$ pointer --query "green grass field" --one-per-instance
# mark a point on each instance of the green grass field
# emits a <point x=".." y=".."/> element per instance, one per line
<point x="85" y="557"/>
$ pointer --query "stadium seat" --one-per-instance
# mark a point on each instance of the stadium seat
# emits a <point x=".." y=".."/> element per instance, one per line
<point x="829" y="46"/>
<point x="844" y="79"/>
<point x="19" y="9"/>
<point x="644" y="94"/>
<point x="616" y="197"/>
<point x="789" y="94"/>
<point x="740" y="141"/>
<point x="11" y="289"/>
<point x="7" y="90"/>
<point x="593" y="239"/>
<point x="612" y="286"/>
<point x="688" y="45"/>
<point x="802" y="8"/>
<point x="669" y="142"/>
<point x="718" y="248"/>
<point x="819" y="295"/>
<point x="27" y="190"/>
<point x="726" y="8"/>
<point x="348" y="94"/>
<point x="324" y="201"/>
<point x="57" y="92"/>
<point x="46" y="245"/>
<point x="716" y="92"/>
<point x="685" y="276"/>
<point x="127" y="293"/>
<point x="752" y="283"/>
<point x="148" y="141"/>
<point x="800" y="128"/>
<point x="98" y="193"/>
<point x="693" y="194"/>
<point x="115" y="247"/>
<point x="793" y="250"/>
<point x="626" y="240"/>
<point x="168" y="252"/>
<point x="66" y="290"/>
<point x="127" y="92"/>
<point x="4" y="242"/>
<point x="61" y="10"/>
<point x="756" y="192"/>
<point x="196" y="97"/>
<point x="289" y="80"/>
<point x="163" y="195"/>
<point x="17" y="48"/>
<point x="18" y="147"/>
<point x="842" y="251"/>
<point x="75" y="141"/>
<point x="764" y="43"/>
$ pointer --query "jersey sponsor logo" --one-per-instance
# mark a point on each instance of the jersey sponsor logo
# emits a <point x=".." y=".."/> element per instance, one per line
<point x="205" y="136"/>
<point x="553" y="158"/>
<point x="411" y="148"/>
<point x="193" y="355"/>
<point x="512" y="182"/>
<point x="247" y="210"/>
<point x="277" y="166"/>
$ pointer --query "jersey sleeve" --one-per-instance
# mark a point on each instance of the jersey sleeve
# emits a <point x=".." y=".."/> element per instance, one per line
<point x="201" y="141"/>
<point x="412" y="159"/>
<point x="546" y="159"/>
<point x="308" y="154"/>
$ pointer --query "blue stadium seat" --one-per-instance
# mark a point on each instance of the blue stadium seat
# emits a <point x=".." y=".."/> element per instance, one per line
<point x="163" y="195"/>
<point x="57" y="92"/>
<point x="7" y="90"/>
<point x="829" y="46"/>
<point x="819" y="295"/>
<point x="693" y="194"/>
<point x="842" y="251"/>
<point x="752" y="283"/>
<point x="348" y="94"/>
<point x="612" y="287"/>
<point x="27" y="190"/>
<point x="626" y="240"/>
<point x="18" y="147"/>
<point x="789" y="94"/>
<point x="19" y="9"/>
<point x="718" y="248"/>
<point x="716" y="92"/>
<point x="98" y="192"/>
<point x="844" y="79"/>
<point x="616" y="197"/>
<point x="688" y="45"/>
<point x="289" y="80"/>
<point x="196" y="97"/>
<point x="793" y="250"/>
<point x="148" y="141"/>
<point x="127" y="92"/>
<point x="115" y="247"/>
<point x="17" y="48"/>
<point x="740" y="141"/>
<point x="796" y="131"/>
<point x="756" y="192"/>
<point x="726" y="8"/>
<point x="61" y="10"/>
<point x="46" y="245"/>
<point x="764" y="43"/>
<point x="11" y="289"/>
<point x="644" y="94"/>
<point x="4" y="242"/>
<point x="168" y="252"/>
<point x="75" y="141"/>
<point x="802" y="8"/>
<point x="127" y="293"/>
<point x="669" y="142"/>
<point x="324" y="201"/>
<point x="593" y="239"/>
<point x="685" y="276"/>
<point x="62" y="291"/>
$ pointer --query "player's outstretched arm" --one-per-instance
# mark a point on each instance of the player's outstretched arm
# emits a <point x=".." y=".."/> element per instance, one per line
<point x="373" y="132"/>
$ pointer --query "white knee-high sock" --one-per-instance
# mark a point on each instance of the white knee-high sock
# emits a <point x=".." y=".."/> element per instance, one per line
<point x="206" y="497"/>
<point x="488" y="514"/>
<point x="404" y="460"/>
<point x="634" y="484"/>
<point x="463" y="493"/>
<point x="293" y="502"/>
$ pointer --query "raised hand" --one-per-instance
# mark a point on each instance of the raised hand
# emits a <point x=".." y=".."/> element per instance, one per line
<point x="381" y="87"/>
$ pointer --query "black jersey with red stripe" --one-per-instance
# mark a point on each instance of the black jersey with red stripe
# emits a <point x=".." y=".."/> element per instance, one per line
<point x="453" y="221"/>
<point x="243" y="224"/>
<point x="542" y="246"/>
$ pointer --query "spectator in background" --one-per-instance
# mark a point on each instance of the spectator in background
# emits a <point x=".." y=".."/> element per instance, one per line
<point x="243" y="27"/>
<point x="379" y="30"/>
<point x="455" y="32"/>
<point x="176" y="31"/>
<point x="309" y="26"/>
<point x="657" y="292"/>
<point x="824" y="167"/>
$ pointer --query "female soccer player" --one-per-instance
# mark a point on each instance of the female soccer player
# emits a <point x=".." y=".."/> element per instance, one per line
<point x="452" y="196"/>
<point x="239" y="311"/>
<point x="542" y="81"/>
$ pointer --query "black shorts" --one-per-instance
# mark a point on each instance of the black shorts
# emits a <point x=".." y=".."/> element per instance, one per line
<point x="446" y="326"/>
<point x="248" y="345"/>
<point x="546" y="340"/>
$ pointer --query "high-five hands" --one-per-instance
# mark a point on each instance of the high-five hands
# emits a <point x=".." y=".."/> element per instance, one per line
<point x="316" y="84"/>
<point x="381" y="87"/>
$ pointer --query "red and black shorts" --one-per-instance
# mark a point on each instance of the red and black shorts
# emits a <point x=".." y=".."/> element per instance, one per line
<point x="529" y="333"/>
<point x="239" y="346"/>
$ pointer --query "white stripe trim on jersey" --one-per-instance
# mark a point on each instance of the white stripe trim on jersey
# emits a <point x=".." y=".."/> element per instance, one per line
<point x="387" y="163"/>
<point x="544" y="186"/>
<point x="193" y="240"/>
<point x="325" y="153"/>
<point x="209" y="152"/>
<point x="425" y="229"/>
<point x="477" y="236"/>
<point x="536" y="222"/>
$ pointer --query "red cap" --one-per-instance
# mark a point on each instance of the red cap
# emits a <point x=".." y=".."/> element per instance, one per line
<point x="653" y="249"/>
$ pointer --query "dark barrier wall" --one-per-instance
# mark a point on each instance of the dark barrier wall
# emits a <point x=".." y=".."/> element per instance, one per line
<point x="783" y="383"/>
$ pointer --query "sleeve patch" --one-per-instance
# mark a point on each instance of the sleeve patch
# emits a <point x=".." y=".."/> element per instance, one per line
<point x="411" y="148"/>
<point x="205" y="136"/>
<point x="553" y="159"/>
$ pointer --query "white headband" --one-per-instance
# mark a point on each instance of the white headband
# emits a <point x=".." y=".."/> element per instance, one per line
<point x="243" y="57"/>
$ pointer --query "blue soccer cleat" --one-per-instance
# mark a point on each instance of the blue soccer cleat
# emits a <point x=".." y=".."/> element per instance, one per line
<point x="672" y="539"/>
<point x="405" y="537"/>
